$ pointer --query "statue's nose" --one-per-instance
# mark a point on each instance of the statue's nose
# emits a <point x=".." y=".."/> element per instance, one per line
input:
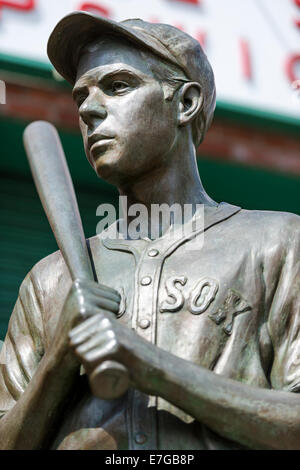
<point x="92" y="110"/>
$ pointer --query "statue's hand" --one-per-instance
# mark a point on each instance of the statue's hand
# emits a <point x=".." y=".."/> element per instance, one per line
<point x="103" y="338"/>
<point x="85" y="300"/>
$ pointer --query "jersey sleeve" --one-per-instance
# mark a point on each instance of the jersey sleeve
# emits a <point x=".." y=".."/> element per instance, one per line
<point x="23" y="346"/>
<point x="284" y="317"/>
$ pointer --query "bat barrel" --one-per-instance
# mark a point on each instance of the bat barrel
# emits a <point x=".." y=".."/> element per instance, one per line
<point x="54" y="185"/>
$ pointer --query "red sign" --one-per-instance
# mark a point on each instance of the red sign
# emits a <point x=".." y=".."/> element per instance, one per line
<point x="94" y="8"/>
<point x="246" y="59"/>
<point x="291" y="63"/>
<point x="194" y="2"/>
<point x="297" y="22"/>
<point x="27" y="5"/>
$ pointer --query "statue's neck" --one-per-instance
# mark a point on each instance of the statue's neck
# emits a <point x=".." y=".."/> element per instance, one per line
<point x="178" y="183"/>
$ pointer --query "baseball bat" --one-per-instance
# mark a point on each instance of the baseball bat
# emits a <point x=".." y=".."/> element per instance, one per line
<point x="55" y="188"/>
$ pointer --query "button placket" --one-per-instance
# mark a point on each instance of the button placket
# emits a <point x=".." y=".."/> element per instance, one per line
<point x="144" y="324"/>
<point x="148" y="271"/>
<point x="143" y="435"/>
<point x="146" y="281"/>
<point x="153" y="253"/>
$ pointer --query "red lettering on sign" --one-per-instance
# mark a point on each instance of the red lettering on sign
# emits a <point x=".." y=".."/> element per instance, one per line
<point x="179" y="26"/>
<point x="246" y="59"/>
<point x="201" y="38"/>
<point x="94" y="8"/>
<point x="194" y="2"/>
<point x="25" y="6"/>
<point x="297" y="22"/>
<point x="291" y="63"/>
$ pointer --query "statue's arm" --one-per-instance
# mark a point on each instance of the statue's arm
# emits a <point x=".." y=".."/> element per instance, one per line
<point x="258" y="418"/>
<point x="34" y="383"/>
<point x="255" y="417"/>
<point x="31" y="422"/>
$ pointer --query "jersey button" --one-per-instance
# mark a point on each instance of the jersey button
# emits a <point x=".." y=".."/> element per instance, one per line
<point x="146" y="281"/>
<point x="144" y="324"/>
<point x="140" y="438"/>
<point x="153" y="253"/>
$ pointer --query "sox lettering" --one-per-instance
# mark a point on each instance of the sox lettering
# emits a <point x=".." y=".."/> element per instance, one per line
<point x="201" y="297"/>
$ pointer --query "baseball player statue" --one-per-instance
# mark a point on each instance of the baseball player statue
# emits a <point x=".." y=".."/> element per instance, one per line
<point x="209" y="332"/>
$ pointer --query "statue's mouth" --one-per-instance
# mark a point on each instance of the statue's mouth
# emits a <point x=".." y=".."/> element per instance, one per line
<point x="97" y="143"/>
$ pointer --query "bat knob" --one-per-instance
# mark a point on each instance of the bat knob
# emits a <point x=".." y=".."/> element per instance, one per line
<point x="109" y="381"/>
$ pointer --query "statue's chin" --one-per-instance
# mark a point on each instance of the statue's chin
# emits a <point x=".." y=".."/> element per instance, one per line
<point x="108" y="169"/>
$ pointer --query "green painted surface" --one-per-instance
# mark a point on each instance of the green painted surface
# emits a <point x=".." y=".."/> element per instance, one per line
<point x="30" y="68"/>
<point x="250" y="188"/>
<point x="25" y="236"/>
<point x="258" y="118"/>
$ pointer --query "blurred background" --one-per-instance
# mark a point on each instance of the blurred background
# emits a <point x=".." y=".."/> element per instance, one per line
<point x="251" y="156"/>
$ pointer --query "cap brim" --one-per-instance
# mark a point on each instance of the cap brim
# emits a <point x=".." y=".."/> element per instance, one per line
<point x="77" y="29"/>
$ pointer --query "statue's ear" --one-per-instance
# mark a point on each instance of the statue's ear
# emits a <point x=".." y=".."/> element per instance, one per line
<point x="191" y="102"/>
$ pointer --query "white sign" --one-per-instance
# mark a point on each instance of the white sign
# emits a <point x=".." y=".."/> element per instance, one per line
<point x="253" y="45"/>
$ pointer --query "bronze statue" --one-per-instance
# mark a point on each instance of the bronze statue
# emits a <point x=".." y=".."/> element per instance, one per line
<point x="210" y="337"/>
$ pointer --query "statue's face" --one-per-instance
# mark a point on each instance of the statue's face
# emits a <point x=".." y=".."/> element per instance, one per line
<point x="128" y="126"/>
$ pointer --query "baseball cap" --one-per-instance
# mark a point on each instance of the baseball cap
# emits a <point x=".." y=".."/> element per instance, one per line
<point x="76" y="30"/>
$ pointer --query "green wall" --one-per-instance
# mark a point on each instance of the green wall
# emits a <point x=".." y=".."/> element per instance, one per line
<point x="26" y="237"/>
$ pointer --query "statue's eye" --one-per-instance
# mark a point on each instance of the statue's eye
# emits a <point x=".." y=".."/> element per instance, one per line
<point x="118" y="86"/>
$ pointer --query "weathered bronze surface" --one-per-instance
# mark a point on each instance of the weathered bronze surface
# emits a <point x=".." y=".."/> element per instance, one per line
<point x="210" y="336"/>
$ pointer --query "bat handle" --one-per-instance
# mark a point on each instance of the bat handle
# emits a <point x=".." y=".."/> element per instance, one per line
<point x="110" y="380"/>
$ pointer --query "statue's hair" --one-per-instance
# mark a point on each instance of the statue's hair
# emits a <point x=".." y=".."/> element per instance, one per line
<point x="174" y="77"/>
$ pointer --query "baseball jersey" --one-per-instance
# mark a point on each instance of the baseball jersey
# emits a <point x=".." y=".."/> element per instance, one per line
<point x="228" y="302"/>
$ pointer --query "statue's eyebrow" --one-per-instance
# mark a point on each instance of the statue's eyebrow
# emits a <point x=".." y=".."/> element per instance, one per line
<point x="79" y="89"/>
<point x="84" y="88"/>
<point x="118" y="72"/>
